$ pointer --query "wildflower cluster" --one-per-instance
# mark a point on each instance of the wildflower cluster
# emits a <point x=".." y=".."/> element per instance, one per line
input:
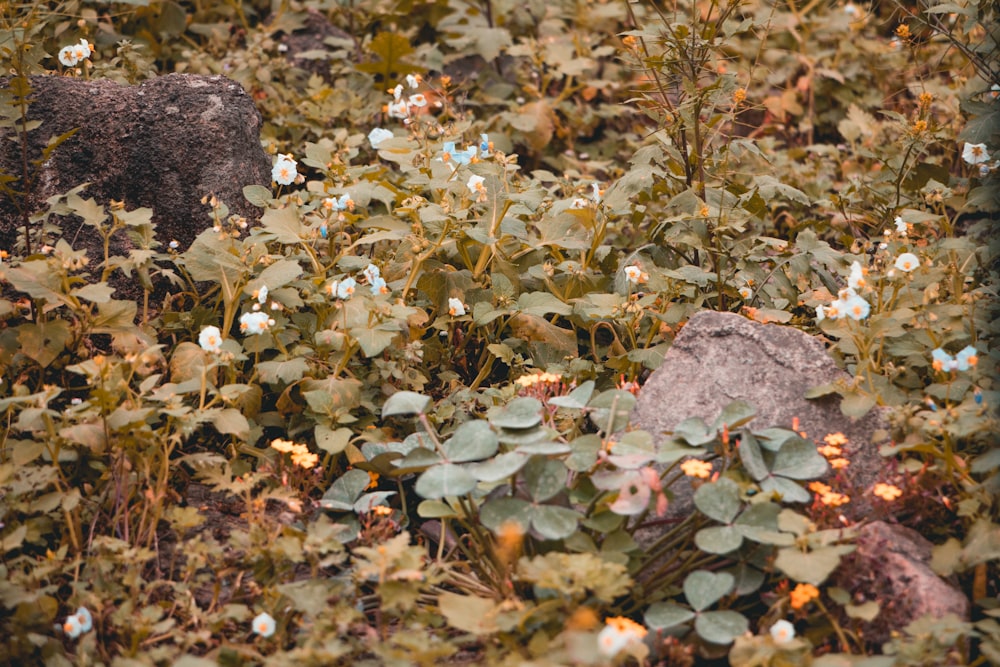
<point x="300" y="454"/>
<point x="74" y="54"/>
<point x="345" y="289"/>
<point x="848" y="303"/>
<point x="404" y="108"/>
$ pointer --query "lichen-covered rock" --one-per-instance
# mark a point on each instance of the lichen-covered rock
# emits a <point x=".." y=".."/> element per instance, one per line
<point x="163" y="144"/>
<point x="891" y="566"/>
<point x="718" y="358"/>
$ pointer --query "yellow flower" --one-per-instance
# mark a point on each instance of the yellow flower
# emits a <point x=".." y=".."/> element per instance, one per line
<point x="834" y="499"/>
<point x="829" y="451"/>
<point x="283" y="446"/>
<point x="839" y="463"/>
<point x="888" y="492"/>
<point x="697" y="468"/>
<point x="802" y="594"/>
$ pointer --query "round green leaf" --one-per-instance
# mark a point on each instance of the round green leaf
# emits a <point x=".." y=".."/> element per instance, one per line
<point x="720" y="627"/>
<point x="734" y="415"/>
<point x="545" y="448"/>
<point x="498" y="468"/>
<point x="521" y="413"/>
<point x="417" y="460"/>
<point x="576" y="399"/>
<point x="545" y="478"/>
<point x="719" y="500"/>
<point x="798" y="459"/>
<point x="789" y="491"/>
<point x="554" y="523"/>
<point x="663" y="615"/>
<point x="751" y="456"/>
<point x="718" y="539"/>
<point x="703" y="588"/>
<point x="472" y="441"/>
<point x="345" y="490"/>
<point x="497" y="512"/>
<point x="444" y="480"/>
<point x="435" y="509"/>
<point x="405" y="403"/>
<point x="811" y="567"/>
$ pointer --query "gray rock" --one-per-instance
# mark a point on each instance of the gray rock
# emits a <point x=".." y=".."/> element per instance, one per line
<point x="163" y="144"/>
<point x="891" y="566"/>
<point x="718" y="358"/>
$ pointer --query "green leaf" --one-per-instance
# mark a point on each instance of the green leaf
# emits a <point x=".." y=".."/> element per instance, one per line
<point x="752" y="457"/>
<point x="405" y="403"/>
<point x="330" y="440"/>
<point x="231" y="421"/>
<point x="345" y="490"/>
<point x="498" y="468"/>
<point x="694" y="431"/>
<point x="542" y="304"/>
<point x="811" y="567"/>
<point x="95" y="292"/>
<point x="857" y="405"/>
<point x="435" y="509"/>
<point x="44" y="341"/>
<point x="279" y="274"/>
<point x="620" y="401"/>
<point x="445" y="480"/>
<point x="787" y="490"/>
<point x="282" y="225"/>
<point x="258" y="195"/>
<point x="494" y="513"/>
<point x="721" y="627"/>
<point x="374" y="340"/>
<point x="798" y="459"/>
<point x="468" y="613"/>
<point x="289" y="371"/>
<point x="472" y="441"/>
<point x="521" y="413"/>
<point x="544" y="478"/>
<point x="703" y="588"/>
<point x="734" y="415"/>
<point x="719" y="500"/>
<point x="576" y="399"/>
<point x="664" y="615"/>
<point x="718" y="539"/>
<point x="391" y="48"/>
<point x="553" y="522"/>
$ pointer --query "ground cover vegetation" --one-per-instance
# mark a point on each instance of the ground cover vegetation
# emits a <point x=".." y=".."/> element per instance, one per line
<point x="388" y="425"/>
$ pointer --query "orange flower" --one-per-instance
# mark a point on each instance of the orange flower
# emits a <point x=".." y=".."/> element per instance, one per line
<point x="888" y="492"/>
<point x="829" y="451"/>
<point x="819" y="487"/>
<point x="834" y="499"/>
<point x="802" y="594"/>
<point x="697" y="468"/>
<point x="283" y="446"/>
<point x="836" y="439"/>
<point x="839" y="464"/>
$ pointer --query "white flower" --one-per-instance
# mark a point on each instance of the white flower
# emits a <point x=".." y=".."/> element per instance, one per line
<point x="476" y="185"/>
<point x="263" y="624"/>
<point x="820" y="313"/>
<point x="397" y="92"/>
<point x="635" y="275"/>
<point x="745" y="293"/>
<point x="72" y="626"/>
<point x="398" y="109"/>
<point x="857" y="278"/>
<point x="617" y="634"/>
<point x="378" y="286"/>
<point x="782" y="632"/>
<point x="378" y="135"/>
<point x="174" y="245"/>
<point x="417" y="100"/>
<point x="371" y="273"/>
<point x="412" y="81"/>
<point x="346" y="287"/>
<point x="210" y="339"/>
<point x="907" y="262"/>
<point x="86" y="620"/>
<point x="82" y="50"/>
<point x="261" y="294"/>
<point x="856" y="307"/>
<point x="851" y="9"/>
<point x="900" y="225"/>
<point x="254" y="323"/>
<point x="579" y="202"/>
<point x="975" y="153"/>
<point x="67" y="56"/>
<point x="455" y="307"/>
<point x="284" y="171"/>
<point x="995" y="90"/>
<point x="596" y="191"/>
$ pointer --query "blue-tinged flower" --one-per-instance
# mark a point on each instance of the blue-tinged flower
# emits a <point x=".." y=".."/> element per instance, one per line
<point x="86" y="620"/>
<point x="324" y="231"/>
<point x="485" y="145"/>
<point x="346" y="287"/>
<point x="942" y="361"/>
<point x="378" y="135"/>
<point x="967" y="357"/>
<point x="284" y="170"/>
<point x="261" y="294"/>
<point x="263" y="624"/>
<point x="782" y="632"/>
<point x="371" y="273"/>
<point x="341" y="203"/>
<point x="210" y="339"/>
<point x="255" y="323"/>
<point x="378" y="286"/>
<point x="452" y="154"/>
<point x="907" y="262"/>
